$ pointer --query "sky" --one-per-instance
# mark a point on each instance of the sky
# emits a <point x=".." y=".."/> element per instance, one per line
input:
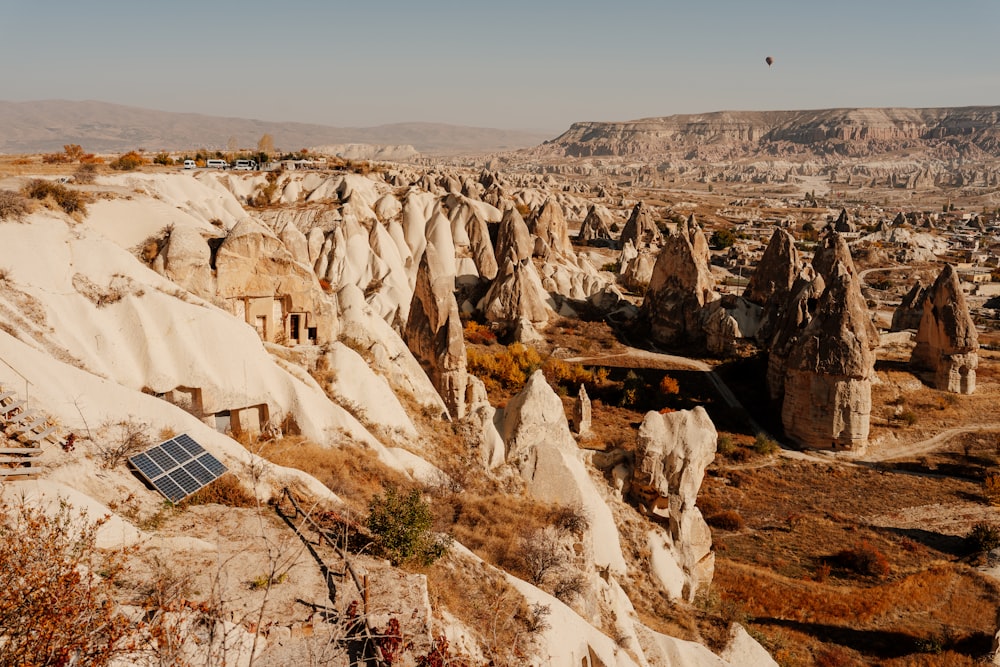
<point x="517" y="64"/>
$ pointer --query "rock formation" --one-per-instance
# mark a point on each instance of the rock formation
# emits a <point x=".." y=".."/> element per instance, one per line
<point x="730" y="323"/>
<point x="827" y="389"/>
<point x="771" y="283"/>
<point x="947" y="340"/>
<point x="551" y="230"/>
<point x="791" y="321"/>
<point x="596" y="227"/>
<point x="672" y="452"/>
<point x="517" y="293"/>
<point x="581" y="412"/>
<point x="843" y="223"/>
<point x="434" y="332"/>
<point x="681" y="284"/>
<point x="911" y="309"/>
<point x="263" y="285"/>
<point x="541" y="448"/>
<point x="641" y="229"/>
<point x="186" y="260"/>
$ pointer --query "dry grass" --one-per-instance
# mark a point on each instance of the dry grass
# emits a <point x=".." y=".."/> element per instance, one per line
<point x="489" y="606"/>
<point x="227" y="490"/>
<point x="493" y="525"/>
<point x="898" y="620"/>
<point x="353" y="472"/>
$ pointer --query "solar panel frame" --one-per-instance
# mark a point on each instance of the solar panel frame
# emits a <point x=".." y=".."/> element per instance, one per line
<point x="177" y="467"/>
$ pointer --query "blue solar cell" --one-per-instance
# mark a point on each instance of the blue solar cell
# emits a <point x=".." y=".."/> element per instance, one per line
<point x="188" y="443"/>
<point x="161" y="458"/>
<point x="185" y="481"/>
<point x="212" y="464"/>
<point x="170" y="489"/>
<point x="176" y="452"/>
<point x="146" y="466"/>
<point x="199" y="472"/>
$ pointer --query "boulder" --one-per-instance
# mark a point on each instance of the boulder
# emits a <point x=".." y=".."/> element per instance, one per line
<point x="947" y="340"/>
<point x="187" y="261"/>
<point x="433" y="331"/>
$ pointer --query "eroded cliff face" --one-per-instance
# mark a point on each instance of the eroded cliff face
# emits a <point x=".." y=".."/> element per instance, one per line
<point x="745" y="132"/>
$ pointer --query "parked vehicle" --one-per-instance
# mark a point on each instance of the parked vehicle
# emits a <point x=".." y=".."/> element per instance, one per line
<point x="217" y="164"/>
<point x="189" y="164"/>
<point x="245" y="165"/>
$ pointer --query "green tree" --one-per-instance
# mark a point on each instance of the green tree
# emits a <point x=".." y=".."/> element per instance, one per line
<point x="722" y="238"/>
<point x="401" y="528"/>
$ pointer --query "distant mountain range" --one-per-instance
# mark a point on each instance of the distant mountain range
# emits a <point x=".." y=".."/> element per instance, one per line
<point x="946" y="133"/>
<point x="47" y="125"/>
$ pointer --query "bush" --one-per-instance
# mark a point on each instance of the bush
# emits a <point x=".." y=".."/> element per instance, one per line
<point x="164" y="159"/>
<point x="722" y="238"/>
<point x="12" y="205"/>
<point x="128" y="161"/>
<point x="764" y="445"/>
<point x="57" y="603"/>
<point x="908" y="417"/>
<point x="68" y="200"/>
<point x="983" y="538"/>
<point x="865" y="559"/>
<point x="118" y="440"/>
<point x="478" y="334"/>
<point x="401" y="528"/>
<point x="669" y="386"/>
<point x="86" y="173"/>
<point x="725" y="445"/>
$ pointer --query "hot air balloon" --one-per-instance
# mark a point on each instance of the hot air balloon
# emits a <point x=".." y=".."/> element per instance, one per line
<point x="769" y="60"/>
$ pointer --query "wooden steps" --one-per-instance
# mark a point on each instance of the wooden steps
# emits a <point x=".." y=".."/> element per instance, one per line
<point x="21" y="424"/>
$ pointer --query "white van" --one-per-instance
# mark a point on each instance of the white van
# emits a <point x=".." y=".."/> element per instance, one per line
<point x="189" y="164"/>
<point x="245" y="165"/>
<point x="217" y="164"/>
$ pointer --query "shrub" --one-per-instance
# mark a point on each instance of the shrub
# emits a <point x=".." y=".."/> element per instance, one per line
<point x="164" y="159"/>
<point x="669" y="386"/>
<point x="478" y="334"/>
<point x="908" y="417"/>
<point x="401" y="528"/>
<point x="764" y="445"/>
<point x="983" y="538"/>
<point x="725" y="445"/>
<point x="128" y="161"/>
<point x="865" y="559"/>
<point x="68" y="200"/>
<point x="86" y="173"/>
<point x="12" y="205"/>
<point x="121" y="439"/>
<point x="57" y="589"/>
<point x="722" y="238"/>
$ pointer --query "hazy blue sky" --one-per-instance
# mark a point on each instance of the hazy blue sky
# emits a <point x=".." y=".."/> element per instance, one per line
<point x="513" y="64"/>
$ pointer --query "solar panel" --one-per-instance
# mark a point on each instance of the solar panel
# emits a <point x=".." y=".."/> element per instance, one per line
<point x="177" y="467"/>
